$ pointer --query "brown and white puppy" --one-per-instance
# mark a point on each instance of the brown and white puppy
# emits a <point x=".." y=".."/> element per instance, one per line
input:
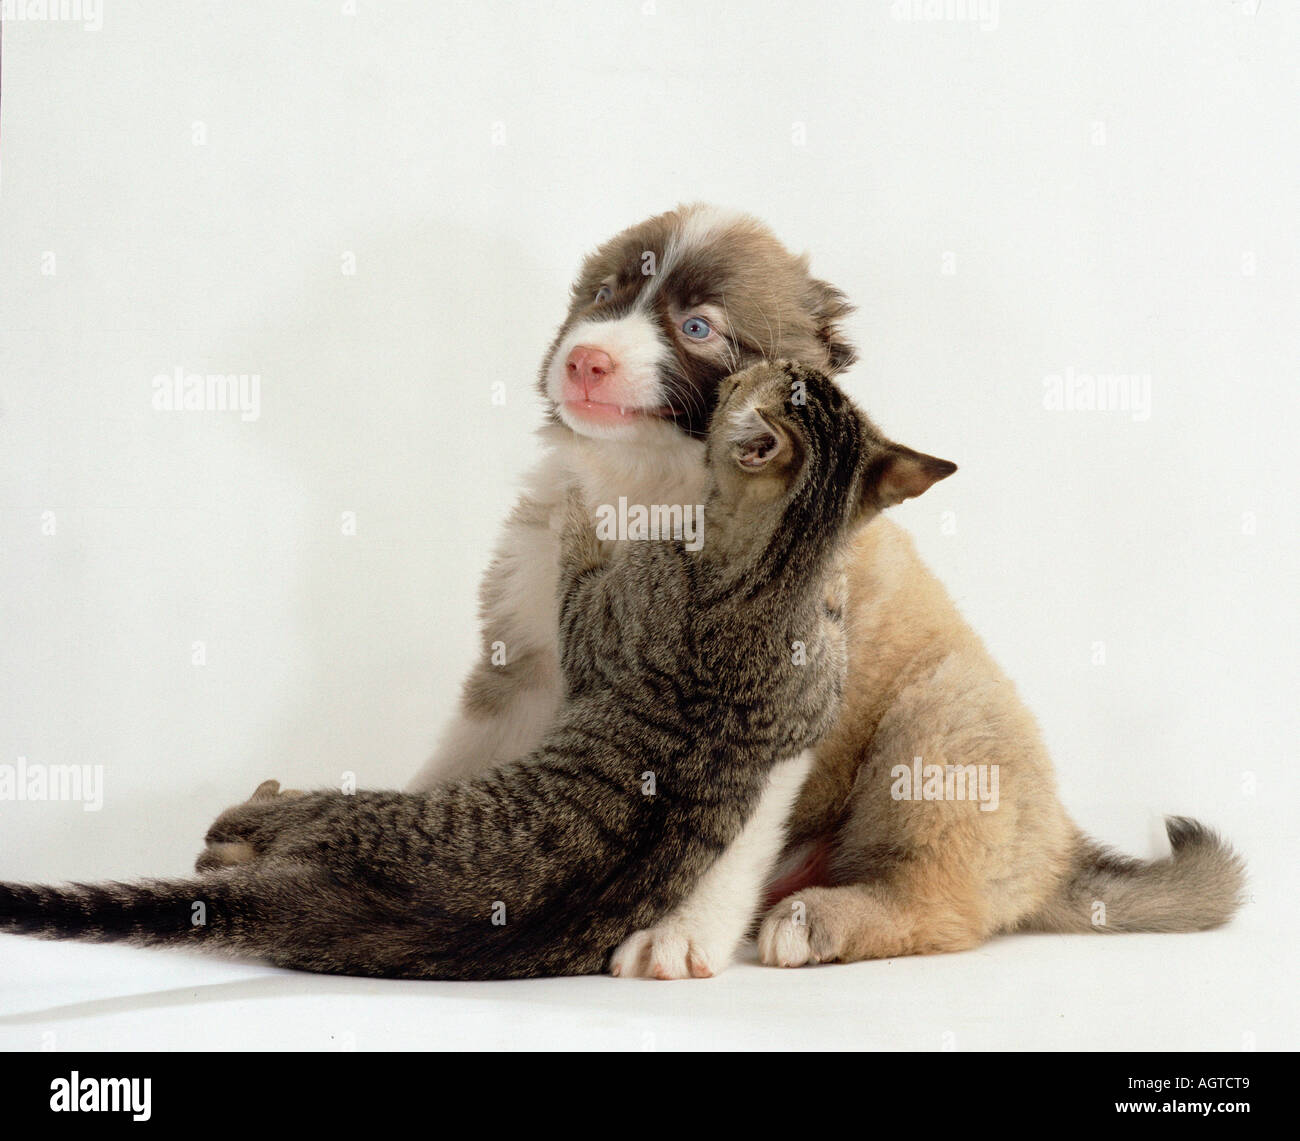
<point x="878" y="861"/>
<point x="668" y="308"/>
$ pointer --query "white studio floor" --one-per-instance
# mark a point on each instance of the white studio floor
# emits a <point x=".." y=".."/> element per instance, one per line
<point x="1227" y="990"/>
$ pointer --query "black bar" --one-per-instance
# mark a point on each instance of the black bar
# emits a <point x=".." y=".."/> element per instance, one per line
<point x="335" y="1089"/>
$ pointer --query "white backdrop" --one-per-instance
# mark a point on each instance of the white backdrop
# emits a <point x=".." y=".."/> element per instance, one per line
<point x="378" y="213"/>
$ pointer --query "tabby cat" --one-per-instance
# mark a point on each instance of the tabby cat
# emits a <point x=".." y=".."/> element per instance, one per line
<point x="692" y="678"/>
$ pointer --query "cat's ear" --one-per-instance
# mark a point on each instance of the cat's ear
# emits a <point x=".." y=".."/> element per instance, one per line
<point x="759" y="443"/>
<point x="899" y="473"/>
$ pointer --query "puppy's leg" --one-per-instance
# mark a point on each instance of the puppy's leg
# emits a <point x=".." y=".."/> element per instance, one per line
<point x="862" y="921"/>
<point x="952" y="829"/>
<point x="904" y="878"/>
<point x="514" y="688"/>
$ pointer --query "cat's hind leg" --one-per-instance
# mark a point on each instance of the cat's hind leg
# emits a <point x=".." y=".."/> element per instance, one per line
<point x="230" y="850"/>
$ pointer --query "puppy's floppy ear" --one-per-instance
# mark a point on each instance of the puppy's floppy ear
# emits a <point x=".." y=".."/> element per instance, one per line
<point x="899" y="473"/>
<point x="829" y="307"/>
<point x="759" y="443"/>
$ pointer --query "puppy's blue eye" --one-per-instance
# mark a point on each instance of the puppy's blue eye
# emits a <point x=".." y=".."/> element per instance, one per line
<point x="604" y="293"/>
<point x="696" y="327"/>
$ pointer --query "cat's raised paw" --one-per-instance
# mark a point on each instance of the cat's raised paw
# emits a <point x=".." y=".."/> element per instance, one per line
<point x="663" y="952"/>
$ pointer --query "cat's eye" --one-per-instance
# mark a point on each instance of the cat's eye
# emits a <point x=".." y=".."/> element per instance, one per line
<point x="604" y="293"/>
<point x="697" y="328"/>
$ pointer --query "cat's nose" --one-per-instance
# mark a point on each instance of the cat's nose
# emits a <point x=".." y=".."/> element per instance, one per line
<point x="588" y="367"/>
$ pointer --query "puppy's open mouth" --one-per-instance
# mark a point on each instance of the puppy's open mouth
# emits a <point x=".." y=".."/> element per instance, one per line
<point x="598" y="412"/>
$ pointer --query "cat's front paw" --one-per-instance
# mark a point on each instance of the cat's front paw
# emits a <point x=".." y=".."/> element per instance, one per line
<point x="666" y="952"/>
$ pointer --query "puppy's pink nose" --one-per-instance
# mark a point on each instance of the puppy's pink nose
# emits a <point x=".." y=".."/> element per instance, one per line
<point x="588" y="367"/>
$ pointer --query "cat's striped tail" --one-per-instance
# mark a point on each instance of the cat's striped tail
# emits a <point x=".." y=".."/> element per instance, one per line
<point x="212" y="910"/>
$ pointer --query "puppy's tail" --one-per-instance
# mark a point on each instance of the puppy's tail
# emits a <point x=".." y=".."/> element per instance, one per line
<point x="220" y="910"/>
<point x="1200" y="886"/>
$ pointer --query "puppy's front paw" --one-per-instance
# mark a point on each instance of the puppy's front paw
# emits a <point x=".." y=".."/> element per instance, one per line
<point x="666" y="952"/>
<point x="793" y="935"/>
